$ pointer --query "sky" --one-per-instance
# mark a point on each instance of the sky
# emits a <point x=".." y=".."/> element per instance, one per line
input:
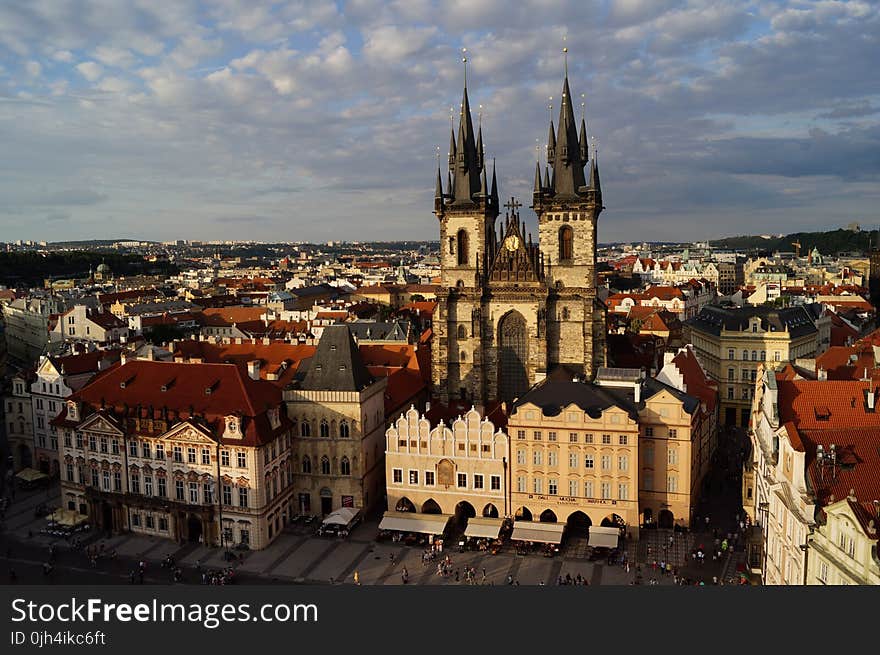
<point x="317" y="121"/>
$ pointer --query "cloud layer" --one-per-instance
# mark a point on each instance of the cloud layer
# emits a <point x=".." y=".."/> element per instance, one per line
<point x="319" y="120"/>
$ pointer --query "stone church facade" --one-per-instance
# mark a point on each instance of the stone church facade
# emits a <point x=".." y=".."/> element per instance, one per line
<point x="512" y="310"/>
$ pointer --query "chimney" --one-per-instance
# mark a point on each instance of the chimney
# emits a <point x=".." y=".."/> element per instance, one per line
<point x="123" y="358"/>
<point x="871" y="400"/>
<point x="637" y="388"/>
<point x="823" y="374"/>
<point x="254" y="369"/>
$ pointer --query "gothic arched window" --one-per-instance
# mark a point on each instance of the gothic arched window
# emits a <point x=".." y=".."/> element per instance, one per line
<point x="325" y="465"/>
<point x="462" y="248"/>
<point x="306" y="465"/>
<point x="325" y="429"/>
<point x="345" y="466"/>
<point x="565" y="314"/>
<point x="344" y="429"/>
<point x="566" y="243"/>
<point x="305" y="429"/>
<point x="462" y="332"/>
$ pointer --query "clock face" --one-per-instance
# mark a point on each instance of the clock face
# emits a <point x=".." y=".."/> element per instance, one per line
<point x="512" y="243"/>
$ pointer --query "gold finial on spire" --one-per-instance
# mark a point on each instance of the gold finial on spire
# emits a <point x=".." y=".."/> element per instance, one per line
<point x="437" y="154"/>
<point x="595" y="145"/>
<point x="479" y="115"/>
<point x="464" y="61"/>
<point x="565" y="53"/>
<point x="550" y="107"/>
<point x="452" y="117"/>
<point x="583" y="106"/>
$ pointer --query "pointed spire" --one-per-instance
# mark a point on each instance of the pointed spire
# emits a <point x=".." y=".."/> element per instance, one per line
<point x="449" y="190"/>
<point x="467" y="172"/>
<point x="547" y="178"/>
<point x="494" y="192"/>
<point x="452" y="150"/>
<point x="595" y="184"/>
<point x="483" y="193"/>
<point x="551" y="144"/>
<point x="583" y="142"/>
<point x="438" y="190"/>
<point x="480" y="146"/>
<point x="537" y="189"/>
<point x="568" y="166"/>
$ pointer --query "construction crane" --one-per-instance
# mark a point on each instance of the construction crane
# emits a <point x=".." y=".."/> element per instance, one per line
<point x="797" y="247"/>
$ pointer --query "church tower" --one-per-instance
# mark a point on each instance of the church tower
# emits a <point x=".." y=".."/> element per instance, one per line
<point x="467" y="210"/>
<point x="568" y="202"/>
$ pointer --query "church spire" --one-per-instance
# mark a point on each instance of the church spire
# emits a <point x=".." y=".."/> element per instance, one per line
<point x="494" y="193"/>
<point x="551" y="144"/>
<point x="583" y="141"/>
<point x="452" y="150"/>
<point x="537" y="190"/>
<point x="595" y="184"/>
<point x="480" y="145"/>
<point x="438" y="190"/>
<point x="568" y="165"/>
<point x="467" y="172"/>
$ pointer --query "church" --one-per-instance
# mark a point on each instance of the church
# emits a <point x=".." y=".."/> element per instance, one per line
<point x="512" y="310"/>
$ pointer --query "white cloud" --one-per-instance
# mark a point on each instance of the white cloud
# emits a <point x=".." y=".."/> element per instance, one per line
<point x="114" y="56"/>
<point x="33" y="68"/>
<point x="65" y="56"/>
<point x="90" y="70"/>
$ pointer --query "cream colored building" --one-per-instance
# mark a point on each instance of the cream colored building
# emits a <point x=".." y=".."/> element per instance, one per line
<point x="620" y="452"/>
<point x="448" y="469"/>
<point x="844" y="550"/>
<point x="809" y="453"/>
<point x="732" y="343"/>
<point x="176" y="450"/>
<point x="338" y="413"/>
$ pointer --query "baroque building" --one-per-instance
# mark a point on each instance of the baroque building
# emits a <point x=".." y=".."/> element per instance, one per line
<point x="511" y="310"/>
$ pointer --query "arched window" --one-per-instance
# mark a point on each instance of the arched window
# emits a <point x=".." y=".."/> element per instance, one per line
<point x="462" y="332"/>
<point x="306" y="465"/>
<point x="566" y="243"/>
<point x="463" y="356"/>
<point x="745" y="355"/>
<point x="325" y="429"/>
<point x="462" y="248"/>
<point x="565" y="313"/>
<point x="305" y="429"/>
<point x="325" y="465"/>
<point x="345" y="466"/>
<point x="344" y="429"/>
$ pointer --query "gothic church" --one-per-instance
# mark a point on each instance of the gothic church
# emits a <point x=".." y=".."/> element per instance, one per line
<point x="511" y="311"/>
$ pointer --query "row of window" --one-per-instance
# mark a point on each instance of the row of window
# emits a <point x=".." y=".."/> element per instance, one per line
<point x="147" y="451"/>
<point x="344" y="465"/>
<point x="731" y="355"/>
<point x="478" y="480"/>
<point x="748" y="393"/>
<point x="748" y="375"/>
<point x="573" y="437"/>
<point x="343" y="430"/>
<point x="193" y="493"/>
<point x="574" y="487"/>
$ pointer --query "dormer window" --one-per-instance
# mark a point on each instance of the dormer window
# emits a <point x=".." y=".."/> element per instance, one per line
<point x="233" y="427"/>
<point x="72" y="411"/>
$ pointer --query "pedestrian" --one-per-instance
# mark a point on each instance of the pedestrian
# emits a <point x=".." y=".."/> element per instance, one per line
<point x="357" y="578"/>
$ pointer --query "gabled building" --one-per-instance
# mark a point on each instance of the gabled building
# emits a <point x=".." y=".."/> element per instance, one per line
<point x="185" y="451"/>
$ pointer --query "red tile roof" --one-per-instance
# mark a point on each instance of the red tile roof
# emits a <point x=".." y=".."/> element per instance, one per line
<point x="226" y="316"/>
<point x="804" y="402"/>
<point x="125" y="390"/>
<point x="697" y="382"/>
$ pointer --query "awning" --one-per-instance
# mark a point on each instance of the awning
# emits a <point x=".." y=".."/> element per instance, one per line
<point x="546" y="533"/>
<point x="68" y="517"/>
<point x="483" y="528"/>
<point x="342" y="516"/>
<point x="30" y="475"/>
<point x="603" y="537"/>
<point x="414" y="522"/>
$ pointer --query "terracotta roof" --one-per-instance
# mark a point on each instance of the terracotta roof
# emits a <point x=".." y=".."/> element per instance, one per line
<point x="664" y="293"/>
<point x="126" y="390"/>
<point x="84" y="362"/>
<point x="847" y="362"/>
<point x="697" y="383"/>
<point x="277" y="357"/>
<point x="825" y="405"/>
<point x="858" y="469"/>
<point x="226" y="316"/>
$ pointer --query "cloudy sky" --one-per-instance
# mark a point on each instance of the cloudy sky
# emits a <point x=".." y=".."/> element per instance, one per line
<point x="313" y="120"/>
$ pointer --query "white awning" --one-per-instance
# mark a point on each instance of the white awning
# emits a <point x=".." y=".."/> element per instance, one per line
<point x="343" y="516"/>
<point x="414" y="522"/>
<point x="483" y="528"/>
<point x="546" y="533"/>
<point x="604" y="537"/>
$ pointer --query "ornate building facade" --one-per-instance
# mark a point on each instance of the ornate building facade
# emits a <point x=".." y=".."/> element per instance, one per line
<point x="511" y="310"/>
